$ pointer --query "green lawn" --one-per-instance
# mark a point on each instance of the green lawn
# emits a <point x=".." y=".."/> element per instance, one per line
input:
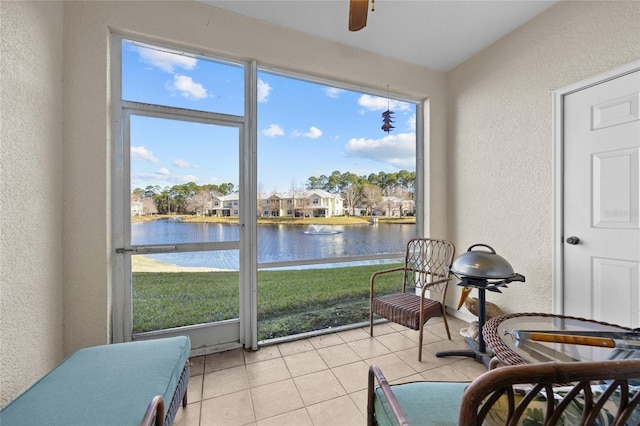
<point x="289" y="302"/>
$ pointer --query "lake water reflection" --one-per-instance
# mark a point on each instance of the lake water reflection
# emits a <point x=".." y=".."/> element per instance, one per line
<point x="276" y="243"/>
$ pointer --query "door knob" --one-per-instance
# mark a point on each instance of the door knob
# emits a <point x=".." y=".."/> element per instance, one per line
<point x="573" y="240"/>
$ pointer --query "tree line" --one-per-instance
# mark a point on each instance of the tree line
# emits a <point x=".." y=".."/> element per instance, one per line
<point x="396" y="183"/>
<point x="188" y="198"/>
<point x="366" y="191"/>
<point x="356" y="191"/>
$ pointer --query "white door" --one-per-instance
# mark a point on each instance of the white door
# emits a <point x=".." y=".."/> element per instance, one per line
<point x="601" y="244"/>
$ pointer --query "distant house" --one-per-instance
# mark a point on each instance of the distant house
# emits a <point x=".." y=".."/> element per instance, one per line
<point x="137" y="205"/>
<point x="306" y="203"/>
<point x="275" y="205"/>
<point x="389" y="207"/>
<point x="396" y="207"/>
<point x="224" y="205"/>
<point x="137" y="208"/>
<point x="324" y="204"/>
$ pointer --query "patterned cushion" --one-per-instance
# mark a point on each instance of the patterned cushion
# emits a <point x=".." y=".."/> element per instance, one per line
<point x="536" y="410"/>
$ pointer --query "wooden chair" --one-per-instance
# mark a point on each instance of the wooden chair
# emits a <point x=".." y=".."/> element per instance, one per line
<point x="426" y="267"/>
<point x="549" y="394"/>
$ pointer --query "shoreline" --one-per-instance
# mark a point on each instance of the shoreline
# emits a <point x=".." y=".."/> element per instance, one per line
<point x="319" y="221"/>
<point x="142" y="263"/>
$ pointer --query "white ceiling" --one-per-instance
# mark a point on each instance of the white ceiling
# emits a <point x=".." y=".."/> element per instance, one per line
<point x="435" y="34"/>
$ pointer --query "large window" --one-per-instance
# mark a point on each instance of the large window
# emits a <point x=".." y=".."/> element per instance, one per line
<point x="338" y="200"/>
<point x="299" y="213"/>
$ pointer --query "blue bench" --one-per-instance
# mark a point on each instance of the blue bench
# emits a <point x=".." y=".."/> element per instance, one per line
<point x="118" y="384"/>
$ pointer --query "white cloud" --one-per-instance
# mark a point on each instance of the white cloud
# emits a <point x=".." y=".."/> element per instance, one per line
<point x="263" y="91"/>
<point x="273" y="130"/>
<point x="187" y="178"/>
<point x="313" y="133"/>
<point x="332" y="92"/>
<point x="165" y="60"/>
<point x="412" y="122"/>
<point x="141" y="153"/>
<point x="178" y="162"/>
<point x="188" y="88"/>
<point x="164" y="175"/>
<point x="377" y="103"/>
<point x="398" y="150"/>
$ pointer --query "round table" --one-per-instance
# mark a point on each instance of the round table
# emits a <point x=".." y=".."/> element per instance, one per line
<point x="498" y="333"/>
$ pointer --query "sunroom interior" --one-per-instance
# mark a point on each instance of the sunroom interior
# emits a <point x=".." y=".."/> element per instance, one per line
<point x="488" y="142"/>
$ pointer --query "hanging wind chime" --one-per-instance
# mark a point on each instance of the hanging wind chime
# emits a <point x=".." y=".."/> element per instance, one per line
<point x="387" y="116"/>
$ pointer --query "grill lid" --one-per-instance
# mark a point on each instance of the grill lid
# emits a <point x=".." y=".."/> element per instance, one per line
<point x="482" y="264"/>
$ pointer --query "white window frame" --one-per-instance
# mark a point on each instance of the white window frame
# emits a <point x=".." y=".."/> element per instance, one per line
<point x="249" y="196"/>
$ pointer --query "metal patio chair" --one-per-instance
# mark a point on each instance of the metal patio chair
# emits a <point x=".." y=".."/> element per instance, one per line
<point x="426" y="267"/>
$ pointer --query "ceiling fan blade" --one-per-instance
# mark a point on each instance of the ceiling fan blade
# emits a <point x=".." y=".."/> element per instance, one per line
<point x="358" y="14"/>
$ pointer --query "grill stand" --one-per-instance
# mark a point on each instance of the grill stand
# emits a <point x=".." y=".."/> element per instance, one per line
<point x="478" y="349"/>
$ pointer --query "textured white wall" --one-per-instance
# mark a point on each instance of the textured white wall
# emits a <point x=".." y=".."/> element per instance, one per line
<point x="500" y="182"/>
<point x="87" y="121"/>
<point x="30" y="193"/>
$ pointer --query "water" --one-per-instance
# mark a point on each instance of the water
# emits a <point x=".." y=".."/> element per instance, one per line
<point x="276" y="243"/>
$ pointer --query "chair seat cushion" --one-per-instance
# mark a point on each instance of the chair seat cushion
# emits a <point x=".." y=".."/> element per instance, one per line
<point x="424" y="403"/>
<point x="103" y="385"/>
<point x="404" y="308"/>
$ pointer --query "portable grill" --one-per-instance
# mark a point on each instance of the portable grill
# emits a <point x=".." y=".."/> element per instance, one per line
<point x="482" y="270"/>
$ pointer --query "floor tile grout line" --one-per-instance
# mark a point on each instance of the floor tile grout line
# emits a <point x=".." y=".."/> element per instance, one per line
<point x="204" y="368"/>
<point x="294" y="384"/>
<point x="332" y="369"/>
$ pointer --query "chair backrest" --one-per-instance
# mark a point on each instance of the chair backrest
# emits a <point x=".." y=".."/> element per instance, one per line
<point x="427" y="260"/>
<point x="596" y="392"/>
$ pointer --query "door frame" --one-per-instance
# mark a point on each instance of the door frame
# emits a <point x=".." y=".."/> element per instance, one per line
<point x="245" y="327"/>
<point x="229" y="332"/>
<point x="557" y="107"/>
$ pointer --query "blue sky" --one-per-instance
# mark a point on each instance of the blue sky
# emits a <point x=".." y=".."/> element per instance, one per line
<point x="304" y="129"/>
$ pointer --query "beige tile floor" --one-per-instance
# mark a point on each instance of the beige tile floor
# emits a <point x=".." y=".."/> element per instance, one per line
<point x="317" y="381"/>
